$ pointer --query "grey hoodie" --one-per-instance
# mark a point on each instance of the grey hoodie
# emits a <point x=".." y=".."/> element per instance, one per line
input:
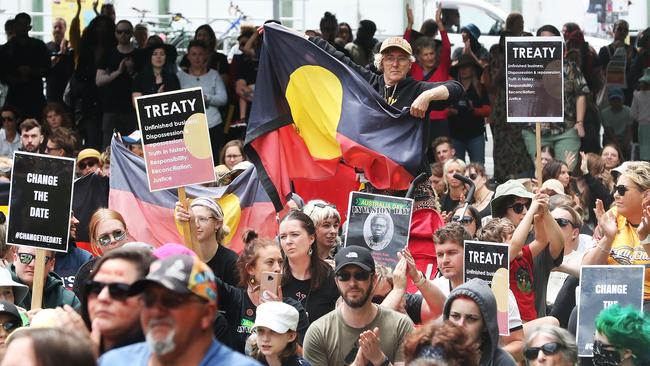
<point x="478" y="290"/>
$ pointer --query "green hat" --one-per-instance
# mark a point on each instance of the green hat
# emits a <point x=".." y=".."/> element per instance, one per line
<point x="509" y="188"/>
<point x="646" y="76"/>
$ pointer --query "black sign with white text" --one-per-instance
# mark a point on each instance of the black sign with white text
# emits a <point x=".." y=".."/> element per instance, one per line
<point x="40" y="201"/>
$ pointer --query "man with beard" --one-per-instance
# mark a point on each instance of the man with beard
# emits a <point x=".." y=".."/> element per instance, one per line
<point x="358" y="331"/>
<point x="179" y="298"/>
<point x="31" y="136"/>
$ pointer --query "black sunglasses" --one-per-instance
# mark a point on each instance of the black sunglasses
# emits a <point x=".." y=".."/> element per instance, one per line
<point x="10" y="326"/>
<point x="359" y="276"/>
<point x="118" y="291"/>
<point x="91" y="163"/>
<point x="564" y="222"/>
<point x="26" y="258"/>
<point x="463" y="220"/>
<point x="519" y="207"/>
<point x="473" y="176"/>
<point x="548" y="349"/>
<point x="621" y="189"/>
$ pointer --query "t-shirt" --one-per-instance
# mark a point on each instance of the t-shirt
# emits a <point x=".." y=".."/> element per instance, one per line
<point x="556" y="278"/>
<point x="617" y="121"/>
<point x="521" y="284"/>
<point x="116" y="95"/>
<point x="413" y="306"/>
<point x="514" y="319"/>
<point x="140" y="353"/>
<point x="317" y="302"/>
<point x="224" y="265"/>
<point x="330" y="340"/>
<point x="543" y="264"/>
<point x="240" y="312"/>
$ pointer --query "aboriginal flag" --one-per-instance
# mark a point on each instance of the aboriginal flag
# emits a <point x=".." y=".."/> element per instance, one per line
<point x="311" y="114"/>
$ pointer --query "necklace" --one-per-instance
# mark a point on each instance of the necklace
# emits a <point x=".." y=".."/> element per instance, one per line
<point x="390" y="99"/>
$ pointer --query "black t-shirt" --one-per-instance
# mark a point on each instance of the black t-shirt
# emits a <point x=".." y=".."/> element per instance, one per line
<point x="317" y="302"/>
<point x="240" y="312"/>
<point x="413" y="305"/>
<point x="246" y="68"/>
<point x="465" y="125"/>
<point x="447" y="204"/>
<point x="224" y="265"/>
<point x="60" y="72"/>
<point x="116" y="95"/>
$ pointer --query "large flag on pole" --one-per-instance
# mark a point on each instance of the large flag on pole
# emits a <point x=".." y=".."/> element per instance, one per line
<point x="150" y="215"/>
<point x="311" y="113"/>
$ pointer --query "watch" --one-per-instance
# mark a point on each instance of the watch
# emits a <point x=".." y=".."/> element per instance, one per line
<point x="386" y="362"/>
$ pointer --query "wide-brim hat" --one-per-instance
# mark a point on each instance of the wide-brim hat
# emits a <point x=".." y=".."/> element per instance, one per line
<point x="509" y="188"/>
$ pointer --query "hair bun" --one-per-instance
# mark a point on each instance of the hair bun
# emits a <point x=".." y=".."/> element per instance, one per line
<point x="249" y="235"/>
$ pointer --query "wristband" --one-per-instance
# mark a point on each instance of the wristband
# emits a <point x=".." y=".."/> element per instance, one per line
<point x="646" y="240"/>
<point x="421" y="281"/>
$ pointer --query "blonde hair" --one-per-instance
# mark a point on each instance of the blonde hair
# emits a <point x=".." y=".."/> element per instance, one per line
<point x="102" y="214"/>
<point x="319" y="211"/>
<point x="496" y="230"/>
<point x="639" y="172"/>
<point x="445" y="169"/>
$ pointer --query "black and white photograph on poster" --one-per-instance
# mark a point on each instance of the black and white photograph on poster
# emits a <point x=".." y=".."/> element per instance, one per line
<point x="40" y="201"/>
<point x="534" y="79"/>
<point x="601" y="287"/>
<point x="491" y="263"/>
<point x="379" y="223"/>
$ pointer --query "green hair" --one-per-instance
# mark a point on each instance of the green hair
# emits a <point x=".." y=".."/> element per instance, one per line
<point x="626" y="328"/>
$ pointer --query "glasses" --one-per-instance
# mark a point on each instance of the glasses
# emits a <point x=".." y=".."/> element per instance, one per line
<point x="123" y="31"/>
<point x="564" y="222"/>
<point x="10" y="326"/>
<point x="50" y="149"/>
<point x="621" y="189"/>
<point x="233" y="156"/>
<point x="463" y="220"/>
<point x="473" y="176"/>
<point x="203" y="220"/>
<point x="548" y="349"/>
<point x="344" y="276"/>
<point x="26" y="258"/>
<point x="399" y="59"/>
<point x="118" y="291"/>
<point x="89" y="164"/>
<point x="168" y="299"/>
<point x="519" y="207"/>
<point x="117" y="235"/>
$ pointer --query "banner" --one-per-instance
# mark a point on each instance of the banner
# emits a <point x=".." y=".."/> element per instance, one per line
<point x="175" y="138"/>
<point x="379" y="223"/>
<point x="600" y="287"/>
<point x="534" y="79"/>
<point x="491" y="263"/>
<point x="40" y="200"/>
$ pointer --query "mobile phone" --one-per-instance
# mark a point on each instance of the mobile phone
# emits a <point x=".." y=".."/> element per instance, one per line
<point x="270" y="282"/>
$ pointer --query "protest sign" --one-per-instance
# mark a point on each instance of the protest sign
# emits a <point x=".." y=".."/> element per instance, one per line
<point x="176" y="139"/>
<point x="491" y="263"/>
<point x="534" y="79"/>
<point x="40" y="201"/>
<point x="600" y="287"/>
<point x="379" y="223"/>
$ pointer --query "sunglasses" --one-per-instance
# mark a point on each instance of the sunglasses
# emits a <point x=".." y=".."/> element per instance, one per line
<point x="473" y="176"/>
<point x="548" y="349"/>
<point x="116" y="235"/>
<point x="169" y="300"/>
<point x="519" y="207"/>
<point x="323" y="205"/>
<point x="564" y="222"/>
<point x="26" y="258"/>
<point x="344" y="276"/>
<point x="621" y="189"/>
<point x="118" y="291"/>
<point x="463" y="220"/>
<point x="89" y="164"/>
<point x="10" y="326"/>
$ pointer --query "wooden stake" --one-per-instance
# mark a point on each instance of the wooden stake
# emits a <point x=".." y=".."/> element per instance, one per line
<point x="187" y="230"/>
<point x="538" y="159"/>
<point x="39" y="280"/>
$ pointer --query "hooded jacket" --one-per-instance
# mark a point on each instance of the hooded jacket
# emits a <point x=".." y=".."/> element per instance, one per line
<point x="54" y="294"/>
<point x="478" y="290"/>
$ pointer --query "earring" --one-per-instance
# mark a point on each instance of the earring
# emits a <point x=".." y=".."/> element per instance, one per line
<point x="310" y="252"/>
<point x="252" y="281"/>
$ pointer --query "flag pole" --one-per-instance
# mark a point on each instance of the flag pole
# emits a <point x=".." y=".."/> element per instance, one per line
<point x="187" y="230"/>
<point x="538" y="158"/>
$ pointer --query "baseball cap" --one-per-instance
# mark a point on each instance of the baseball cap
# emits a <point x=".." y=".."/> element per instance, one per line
<point x="397" y="42"/>
<point x="277" y="316"/>
<point x="356" y="255"/>
<point x="554" y="185"/>
<point x="8" y="308"/>
<point x="88" y="153"/>
<point x="615" y="93"/>
<point x="182" y="274"/>
<point x="20" y="290"/>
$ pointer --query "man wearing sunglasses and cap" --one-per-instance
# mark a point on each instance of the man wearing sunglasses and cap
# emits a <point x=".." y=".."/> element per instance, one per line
<point x="179" y="298"/>
<point x="357" y="331"/>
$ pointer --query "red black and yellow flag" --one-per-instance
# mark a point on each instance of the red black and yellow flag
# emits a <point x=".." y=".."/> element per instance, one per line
<point x="311" y="114"/>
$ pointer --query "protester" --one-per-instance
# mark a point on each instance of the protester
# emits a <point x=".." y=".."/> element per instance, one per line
<point x="622" y="337"/>
<point x="54" y="293"/>
<point x="621" y="29"/>
<point x="88" y="162"/>
<point x="107" y="230"/>
<point x="548" y="154"/>
<point x="61" y="143"/>
<point x="482" y="193"/>
<point x="179" y="304"/>
<point x="473" y="307"/>
<point x="9" y="137"/>
<point x="275" y="326"/>
<point x="61" y="62"/>
<point x="443" y="149"/>
<point x="344" y="34"/>
<point x="617" y="122"/>
<point x="327" y="221"/>
<point x="436" y="179"/>
<point x="158" y="74"/>
<point x="640" y="112"/>
<point x="597" y="184"/>
<point x="454" y="188"/>
<point x="54" y="116"/>
<point x="361" y="49"/>
<point x="10" y="320"/>
<point x="470" y="220"/>
<point x="67" y="263"/>
<point x="215" y="60"/>
<point x="612" y="155"/>
<point x="305" y="276"/>
<point x="328" y="30"/>
<point x="211" y="231"/>
<point x="232" y="153"/>
<point x="357" y="332"/>
<point x="440" y="344"/>
<point x="549" y="345"/>
<point x="10" y="290"/>
<point x="472" y="47"/>
<point x="31" y="136"/>
<point x="141" y="34"/>
<point x="47" y="347"/>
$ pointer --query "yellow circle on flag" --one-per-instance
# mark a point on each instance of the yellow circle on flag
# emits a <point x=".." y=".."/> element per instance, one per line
<point x="194" y="136"/>
<point x="315" y="96"/>
<point x="231" y="213"/>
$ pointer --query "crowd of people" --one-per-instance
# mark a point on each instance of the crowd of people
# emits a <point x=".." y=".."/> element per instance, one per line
<point x="302" y="298"/>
